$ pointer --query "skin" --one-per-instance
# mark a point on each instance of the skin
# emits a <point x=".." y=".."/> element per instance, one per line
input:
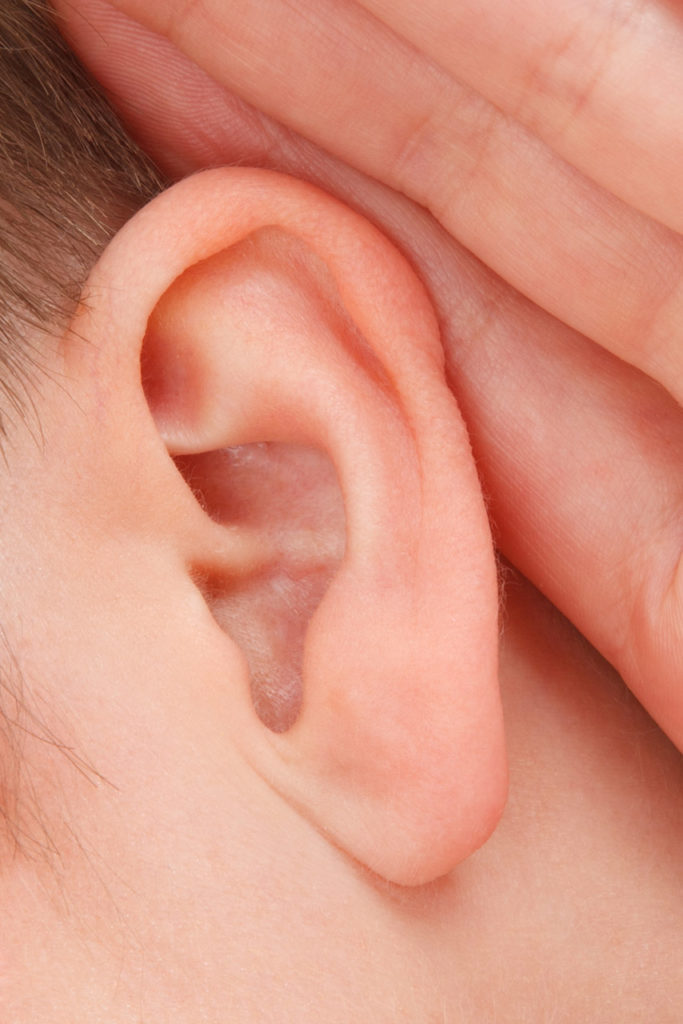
<point x="178" y="885"/>
<point x="169" y="891"/>
<point x="503" y="134"/>
<point x="182" y="900"/>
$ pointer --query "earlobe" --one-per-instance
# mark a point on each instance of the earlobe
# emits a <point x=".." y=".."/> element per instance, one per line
<point x="266" y="313"/>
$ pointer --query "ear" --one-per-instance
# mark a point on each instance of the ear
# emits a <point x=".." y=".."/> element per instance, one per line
<point x="266" y="314"/>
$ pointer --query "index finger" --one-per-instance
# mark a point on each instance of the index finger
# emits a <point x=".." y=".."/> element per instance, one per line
<point x="600" y="82"/>
<point x="338" y="76"/>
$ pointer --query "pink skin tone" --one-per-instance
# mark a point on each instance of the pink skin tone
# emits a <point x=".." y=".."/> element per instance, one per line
<point x="553" y="155"/>
<point x="204" y="868"/>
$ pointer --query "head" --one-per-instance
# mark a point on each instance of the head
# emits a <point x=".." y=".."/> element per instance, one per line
<point x="249" y="628"/>
<point x="241" y="518"/>
<point x="70" y="177"/>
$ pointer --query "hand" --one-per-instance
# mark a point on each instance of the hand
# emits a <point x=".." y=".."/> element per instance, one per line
<point x="548" y="141"/>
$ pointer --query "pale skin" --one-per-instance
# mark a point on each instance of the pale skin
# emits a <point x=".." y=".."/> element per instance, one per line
<point x="546" y="139"/>
<point x="210" y="879"/>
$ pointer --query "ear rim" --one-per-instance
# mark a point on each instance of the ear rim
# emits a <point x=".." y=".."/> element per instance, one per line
<point x="187" y="231"/>
<point x="241" y="194"/>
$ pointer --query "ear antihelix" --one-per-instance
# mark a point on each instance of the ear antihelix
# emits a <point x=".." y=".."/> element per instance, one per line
<point x="299" y="323"/>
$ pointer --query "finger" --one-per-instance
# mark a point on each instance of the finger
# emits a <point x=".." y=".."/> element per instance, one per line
<point x="182" y="120"/>
<point x="353" y="87"/>
<point x="581" y="456"/>
<point x="601" y="82"/>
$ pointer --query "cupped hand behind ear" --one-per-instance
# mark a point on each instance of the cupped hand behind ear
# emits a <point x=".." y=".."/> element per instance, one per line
<point x="554" y="156"/>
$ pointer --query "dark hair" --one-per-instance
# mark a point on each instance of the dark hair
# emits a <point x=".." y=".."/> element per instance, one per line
<point x="69" y="178"/>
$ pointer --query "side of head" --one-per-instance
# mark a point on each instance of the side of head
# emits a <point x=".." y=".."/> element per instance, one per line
<point x="251" y="535"/>
<point x="69" y="178"/>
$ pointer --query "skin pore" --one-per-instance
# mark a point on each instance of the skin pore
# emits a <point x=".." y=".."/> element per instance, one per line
<point x="168" y="881"/>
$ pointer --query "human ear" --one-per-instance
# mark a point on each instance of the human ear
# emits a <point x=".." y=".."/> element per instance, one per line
<point x="242" y="308"/>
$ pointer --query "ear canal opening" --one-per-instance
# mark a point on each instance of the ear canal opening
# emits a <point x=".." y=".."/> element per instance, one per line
<point x="288" y="498"/>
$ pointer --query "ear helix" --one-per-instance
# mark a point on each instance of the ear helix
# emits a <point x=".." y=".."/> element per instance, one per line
<point x="315" y="331"/>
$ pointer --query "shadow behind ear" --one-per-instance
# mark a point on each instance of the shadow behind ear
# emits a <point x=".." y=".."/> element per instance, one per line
<point x="278" y="323"/>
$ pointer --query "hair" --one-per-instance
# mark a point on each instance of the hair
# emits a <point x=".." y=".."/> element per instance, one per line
<point x="70" y="176"/>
